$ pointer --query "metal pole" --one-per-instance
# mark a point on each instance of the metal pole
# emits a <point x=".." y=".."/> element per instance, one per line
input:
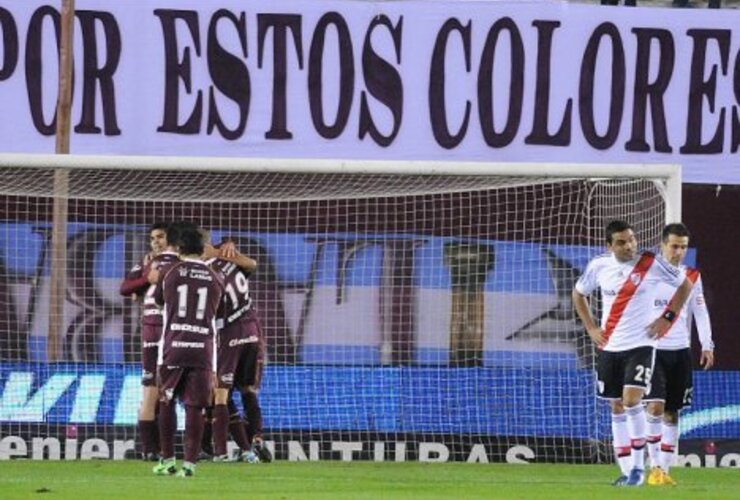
<point x="61" y="186"/>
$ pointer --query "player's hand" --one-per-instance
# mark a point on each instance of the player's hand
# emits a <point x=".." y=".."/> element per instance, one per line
<point x="597" y="335"/>
<point x="209" y="251"/>
<point x="227" y="250"/>
<point x="659" y="327"/>
<point x="148" y="258"/>
<point x="707" y="359"/>
<point x="153" y="276"/>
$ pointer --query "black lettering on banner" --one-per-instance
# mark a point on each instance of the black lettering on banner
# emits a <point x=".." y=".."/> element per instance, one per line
<point x="280" y="24"/>
<point x="735" y="119"/>
<point x="382" y="81"/>
<point x="437" y="82"/>
<point x="176" y="70"/>
<point x="700" y="88"/>
<point x="540" y="134"/>
<point x="654" y="91"/>
<point x="34" y="67"/>
<point x="346" y="76"/>
<point x="586" y="87"/>
<point x="92" y="73"/>
<point x="10" y="44"/>
<point x="229" y="74"/>
<point x="486" y="85"/>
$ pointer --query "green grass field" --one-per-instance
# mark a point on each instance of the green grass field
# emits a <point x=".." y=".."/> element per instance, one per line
<point x="358" y="480"/>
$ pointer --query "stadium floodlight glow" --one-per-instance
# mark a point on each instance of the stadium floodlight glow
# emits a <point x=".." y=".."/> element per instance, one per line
<point x="401" y="299"/>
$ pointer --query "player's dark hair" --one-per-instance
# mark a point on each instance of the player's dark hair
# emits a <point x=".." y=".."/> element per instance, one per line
<point x="175" y="231"/>
<point x="616" y="226"/>
<point x="675" y="229"/>
<point x="159" y="226"/>
<point x="191" y="242"/>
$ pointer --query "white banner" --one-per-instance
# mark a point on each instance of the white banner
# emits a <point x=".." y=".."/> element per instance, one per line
<point x="386" y="80"/>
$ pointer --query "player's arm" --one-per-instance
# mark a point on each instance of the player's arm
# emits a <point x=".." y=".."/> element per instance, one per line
<point x="663" y="323"/>
<point x="152" y="277"/>
<point x="244" y="262"/>
<point x="135" y="282"/>
<point x="585" y="286"/>
<point x="698" y="306"/>
<point x="227" y="251"/>
<point x="583" y="309"/>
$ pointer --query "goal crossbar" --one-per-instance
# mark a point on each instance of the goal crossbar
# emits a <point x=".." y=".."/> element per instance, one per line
<point x="667" y="176"/>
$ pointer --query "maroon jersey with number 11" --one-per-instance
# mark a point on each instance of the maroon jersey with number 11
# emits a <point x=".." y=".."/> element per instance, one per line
<point x="190" y="293"/>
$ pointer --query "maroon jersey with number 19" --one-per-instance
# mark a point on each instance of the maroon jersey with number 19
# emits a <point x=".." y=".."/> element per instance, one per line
<point x="191" y="293"/>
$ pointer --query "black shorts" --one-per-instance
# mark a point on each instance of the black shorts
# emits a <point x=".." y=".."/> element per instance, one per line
<point x="672" y="381"/>
<point x="617" y="370"/>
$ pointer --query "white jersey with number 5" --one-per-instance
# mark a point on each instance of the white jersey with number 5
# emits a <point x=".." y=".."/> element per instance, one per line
<point x="679" y="336"/>
<point x="628" y="295"/>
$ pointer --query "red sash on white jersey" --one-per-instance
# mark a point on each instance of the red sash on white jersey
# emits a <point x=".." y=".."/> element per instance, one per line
<point x="692" y="275"/>
<point x="630" y="286"/>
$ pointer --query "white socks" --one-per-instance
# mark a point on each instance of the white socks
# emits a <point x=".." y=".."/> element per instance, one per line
<point x="621" y="441"/>
<point x="654" y="435"/>
<point x="636" y="423"/>
<point x="668" y="446"/>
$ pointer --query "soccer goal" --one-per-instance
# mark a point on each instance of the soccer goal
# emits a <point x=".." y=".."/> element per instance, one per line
<point x="413" y="310"/>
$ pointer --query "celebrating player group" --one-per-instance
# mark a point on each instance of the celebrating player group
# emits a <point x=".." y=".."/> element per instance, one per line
<point x="643" y="343"/>
<point x="201" y="342"/>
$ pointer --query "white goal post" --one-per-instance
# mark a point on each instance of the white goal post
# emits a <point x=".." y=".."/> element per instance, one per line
<point x="667" y="176"/>
<point x="414" y="310"/>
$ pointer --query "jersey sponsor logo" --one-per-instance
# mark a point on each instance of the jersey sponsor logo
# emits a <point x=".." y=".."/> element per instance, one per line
<point x="227" y="378"/>
<point x="239" y="312"/>
<point x="149" y="345"/>
<point x="202" y="274"/>
<point x="661" y="302"/>
<point x="188" y="345"/>
<point x="610" y="293"/>
<point x="249" y="340"/>
<point x="185" y="327"/>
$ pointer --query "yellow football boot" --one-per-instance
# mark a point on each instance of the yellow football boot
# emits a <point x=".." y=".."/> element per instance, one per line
<point x="656" y="477"/>
<point x="668" y="480"/>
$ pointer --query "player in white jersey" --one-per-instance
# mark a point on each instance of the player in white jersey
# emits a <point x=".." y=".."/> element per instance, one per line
<point x="671" y="386"/>
<point x="627" y="335"/>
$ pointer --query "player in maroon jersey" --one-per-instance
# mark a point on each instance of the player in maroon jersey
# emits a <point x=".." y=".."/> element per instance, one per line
<point x="191" y="293"/>
<point x="137" y="285"/>
<point x="241" y="349"/>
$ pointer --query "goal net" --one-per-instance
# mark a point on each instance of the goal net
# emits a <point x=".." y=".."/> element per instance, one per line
<point x="413" y="311"/>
